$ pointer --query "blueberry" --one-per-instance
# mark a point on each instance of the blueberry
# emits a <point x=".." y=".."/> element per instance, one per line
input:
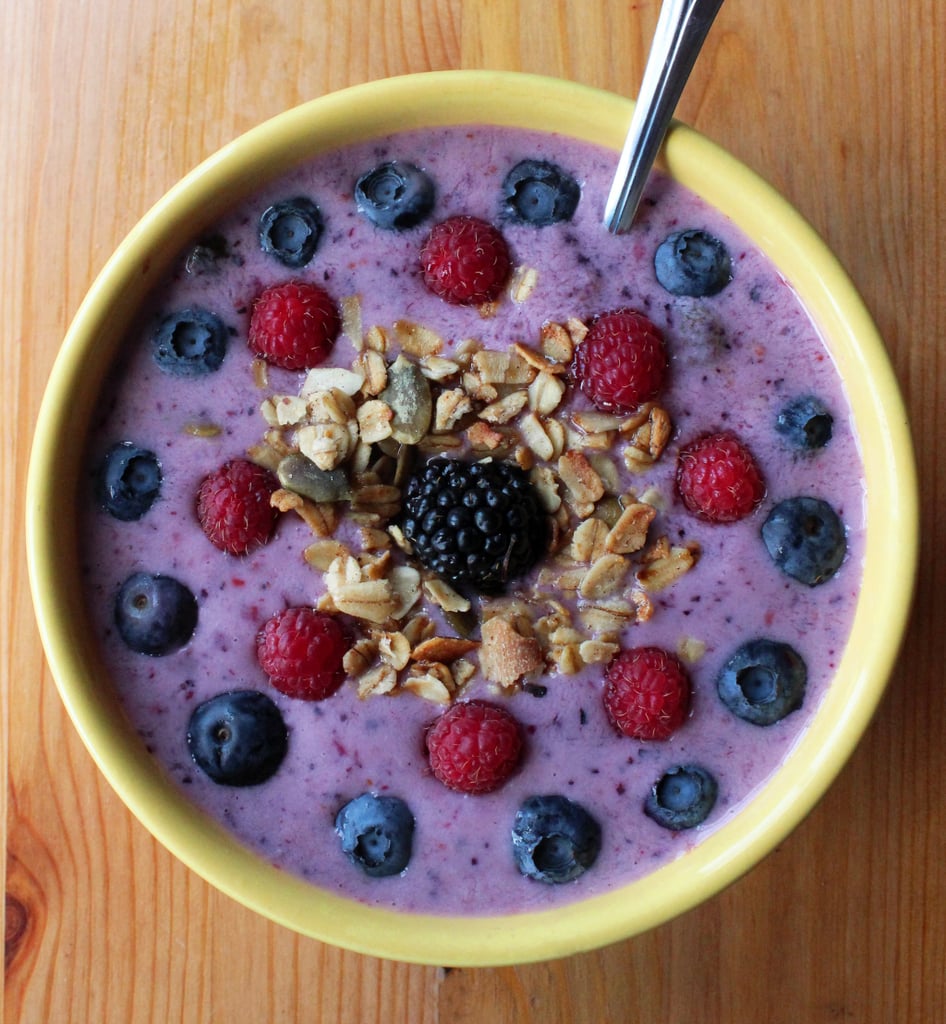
<point x="377" y="833"/>
<point x="290" y="230"/>
<point x="207" y="255"/>
<point x="155" y="614"/>
<point x="237" y="738"/>
<point x="128" y="481"/>
<point x="395" y="195"/>
<point x="190" y="343"/>
<point x="682" y="797"/>
<point x="539" y="193"/>
<point x="693" y="262"/>
<point x="805" y="538"/>
<point x="554" y="839"/>
<point x="805" y="423"/>
<point x="763" y="681"/>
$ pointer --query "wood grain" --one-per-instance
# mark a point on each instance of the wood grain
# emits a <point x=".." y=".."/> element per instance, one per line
<point x="104" y="106"/>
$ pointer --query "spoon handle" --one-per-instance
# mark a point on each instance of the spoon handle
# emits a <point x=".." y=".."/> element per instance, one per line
<point x="681" y="29"/>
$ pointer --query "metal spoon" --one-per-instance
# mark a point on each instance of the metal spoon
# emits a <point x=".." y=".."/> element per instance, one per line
<point x="678" y="38"/>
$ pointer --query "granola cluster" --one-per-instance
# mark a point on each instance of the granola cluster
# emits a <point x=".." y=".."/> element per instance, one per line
<point x="345" y="446"/>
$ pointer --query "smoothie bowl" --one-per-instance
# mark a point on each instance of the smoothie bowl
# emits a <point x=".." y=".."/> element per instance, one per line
<point x="451" y="580"/>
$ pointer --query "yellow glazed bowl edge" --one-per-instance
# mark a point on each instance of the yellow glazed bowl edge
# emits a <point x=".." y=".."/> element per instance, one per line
<point x="138" y="265"/>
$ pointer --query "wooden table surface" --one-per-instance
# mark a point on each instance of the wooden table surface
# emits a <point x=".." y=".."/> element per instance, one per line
<point x="840" y="105"/>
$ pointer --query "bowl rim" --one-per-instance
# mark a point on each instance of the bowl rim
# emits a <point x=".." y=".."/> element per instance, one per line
<point x="547" y="104"/>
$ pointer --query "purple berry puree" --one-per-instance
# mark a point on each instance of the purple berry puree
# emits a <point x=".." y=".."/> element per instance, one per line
<point x="735" y="359"/>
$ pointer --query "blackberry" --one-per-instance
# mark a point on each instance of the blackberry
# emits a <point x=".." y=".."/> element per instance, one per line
<point x="475" y="524"/>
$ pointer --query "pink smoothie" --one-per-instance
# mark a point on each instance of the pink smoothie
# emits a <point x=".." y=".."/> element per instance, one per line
<point x="735" y="358"/>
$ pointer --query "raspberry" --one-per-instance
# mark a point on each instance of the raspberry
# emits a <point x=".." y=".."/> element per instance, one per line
<point x="465" y="261"/>
<point x="301" y="650"/>
<point x="622" y="362"/>
<point x="294" y="325"/>
<point x="474" y="746"/>
<point x="718" y="478"/>
<point x="233" y="506"/>
<point x="647" y="693"/>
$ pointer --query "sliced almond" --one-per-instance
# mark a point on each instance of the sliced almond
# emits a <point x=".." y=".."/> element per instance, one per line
<point x="443" y="648"/>
<point x="563" y="635"/>
<point x="522" y="283"/>
<point x="394" y="649"/>
<point x="494" y="367"/>
<point x="483" y="437"/>
<point x="556" y="434"/>
<point x="605" y="467"/>
<point x="266" y="455"/>
<point x="604" y="576"/>
<point x="380" y="680"/>
<point x="285" y="500"/>
<point x="690" y="649"/>
<point x="417" y="340"/>
<point x="629" y="533"/>
<point x="536" y="437"/>
<point x="328" y="445"/>
<point x="372" y="366"/>
<point x="452" y="405"/>
<point x="439" y="369"/>
<point x="556" y="343"/>
<point x="592" y="422"/>
<point x="567" y="659"/>
<point x="463" y="671"/>
<point x="417" y="629"/>
<point x="360" y="656"/>
<point x="374" y="539"/>
<point x="376" y="340"/>
<point x="351" y="320"/>
<point x="321" y="553"/>
<point x="374" y="421"/>
<point x="372" y="600"/>
<point x="322" y="520"/>
<point x="405" y="585"/>
<point x="439" y="443"/>
<point x="260" y="371"/>
<point x="607" y="617"/>
<point x="332" y="378"/>
<point x="445" y="597"/>
<point x="577" y="330"/>
<point x="579" y="477"/>
<point x="545" y="393"/>
<point x="589" y="541"/>
<point x="505" y="409"/>
<point x="597" y="652"/>
<point x="663" y="569"/>
<point x="538" y="360"/>
<point x="430" y="686"/>
<point x="546" y="485"/>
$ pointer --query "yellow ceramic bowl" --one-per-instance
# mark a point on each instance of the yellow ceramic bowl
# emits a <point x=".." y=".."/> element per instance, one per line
<point x="138" y="265"/>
